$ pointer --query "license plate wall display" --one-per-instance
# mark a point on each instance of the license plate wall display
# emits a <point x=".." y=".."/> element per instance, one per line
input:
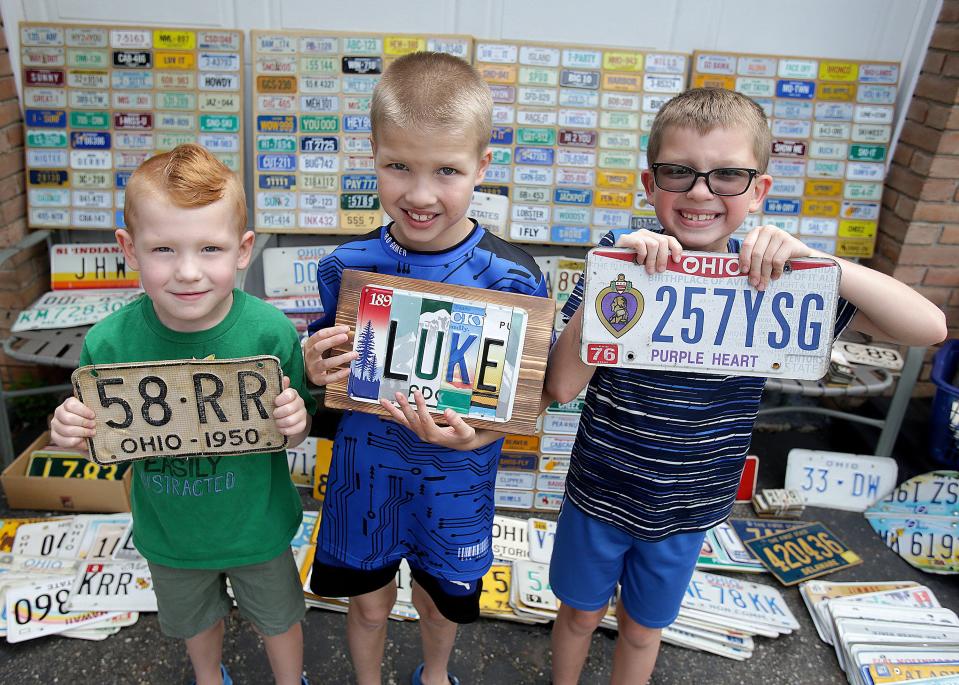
<point x="311" y="109"/>
<point x="918" y="521"/>
<point x="181" y="408"/>
<point x="100" y="99"/>
<point x="570" y="127"/>
<point x="478" y="352"/>
<point x="701" y="315"/>
<point x="832" y="123"/>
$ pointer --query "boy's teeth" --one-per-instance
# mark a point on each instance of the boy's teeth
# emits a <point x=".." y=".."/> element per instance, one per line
<point x="421" y="217"/>
<point x="697" y="217"/>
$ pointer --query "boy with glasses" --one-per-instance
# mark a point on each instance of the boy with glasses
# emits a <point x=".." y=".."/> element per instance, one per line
<point x="659" y="454"/>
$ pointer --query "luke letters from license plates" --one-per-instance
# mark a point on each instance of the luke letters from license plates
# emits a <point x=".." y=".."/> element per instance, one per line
<point x="461" y="352"/>
<point x="181" y="408"/>
<point x="701" y="315"/>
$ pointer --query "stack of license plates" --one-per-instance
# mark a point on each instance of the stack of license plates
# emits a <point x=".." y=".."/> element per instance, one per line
<point x="723" y="548"/>
<point x="778" y="503"/>
<point x="885" y="632"/>
<point x="917" y="520"/>
<point x="73" y="576"/>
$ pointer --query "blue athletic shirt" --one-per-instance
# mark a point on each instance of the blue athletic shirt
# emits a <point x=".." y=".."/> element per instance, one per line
<point x="390" y="495"/>
<point x="662" y="452"/>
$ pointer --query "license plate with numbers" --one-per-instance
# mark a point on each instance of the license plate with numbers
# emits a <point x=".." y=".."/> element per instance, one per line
<point x="802" y="553"/>
<point x="739" y="600"/>
<point x="930" y="543"/>
<point x="52" y="465"/>
<point x="40" y="608"/>
<point x="701" y="315"/>
<point x="871" y="355"/>
<point x="836" y="480"/>
<point x="181" y="408"/>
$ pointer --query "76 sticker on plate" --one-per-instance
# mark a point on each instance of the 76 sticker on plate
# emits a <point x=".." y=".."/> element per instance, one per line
<point x="701" y="315"/>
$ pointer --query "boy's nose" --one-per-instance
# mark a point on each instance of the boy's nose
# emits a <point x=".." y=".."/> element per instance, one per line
<point x="420" y="193"/>
<point x="187" y="270"/>
<point x="699" y="189"/>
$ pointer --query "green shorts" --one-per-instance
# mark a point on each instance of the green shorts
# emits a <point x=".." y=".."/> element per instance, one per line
<point x="190" y="600"/>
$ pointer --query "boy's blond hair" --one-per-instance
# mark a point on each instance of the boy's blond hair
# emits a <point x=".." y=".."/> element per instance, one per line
<point x="189" y="176"/>
<point x="433" y="92"/>
<point x="705" y="109"/>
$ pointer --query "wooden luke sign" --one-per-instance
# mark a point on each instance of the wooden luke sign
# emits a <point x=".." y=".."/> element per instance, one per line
<point x="479" y="352"/>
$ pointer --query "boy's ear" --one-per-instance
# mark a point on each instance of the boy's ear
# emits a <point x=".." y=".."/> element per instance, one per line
<point x="760" y="189"/>
<point x="646" y="175"/>
<point x="483" y="165"/>
<point x="126" y="244"/>
<point x="246" y="250"/>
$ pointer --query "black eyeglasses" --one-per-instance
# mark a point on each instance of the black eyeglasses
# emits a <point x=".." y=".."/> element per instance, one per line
<point x="677" y="178"/>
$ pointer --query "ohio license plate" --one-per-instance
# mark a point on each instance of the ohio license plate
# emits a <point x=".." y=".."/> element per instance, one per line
<point x="181" y="408"/>
<point x="739" y="600"/>
<point x="836" y="480"/>
<point x="292" y="270"/>
<point x="702" y="315"/>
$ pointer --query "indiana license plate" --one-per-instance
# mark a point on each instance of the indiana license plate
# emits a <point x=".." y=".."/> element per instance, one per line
<point x="181" y="408"/>
<point x="835" y="480"/>
<point x="701" y="315"/>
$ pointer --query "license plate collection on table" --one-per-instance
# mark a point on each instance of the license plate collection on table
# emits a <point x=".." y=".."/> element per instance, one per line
<point x="701" y="315"/>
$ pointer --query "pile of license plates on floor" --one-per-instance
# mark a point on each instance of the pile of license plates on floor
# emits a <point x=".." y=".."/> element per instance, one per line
<point x="75" y="576"/>
<point x="720" y="615"/>
<point x="886" y="632"/>
<point x="79" y="576"/>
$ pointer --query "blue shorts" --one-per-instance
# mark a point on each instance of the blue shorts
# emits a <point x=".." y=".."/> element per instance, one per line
<point x="590" y="557"/>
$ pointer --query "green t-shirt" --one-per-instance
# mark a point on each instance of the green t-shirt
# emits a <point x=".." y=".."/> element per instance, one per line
<point x="216" y="511"/>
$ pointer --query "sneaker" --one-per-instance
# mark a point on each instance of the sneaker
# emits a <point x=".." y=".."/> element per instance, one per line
<point x="227" y="680"/>
<point x="417" y="677"/>
<point x="303" y="680"/>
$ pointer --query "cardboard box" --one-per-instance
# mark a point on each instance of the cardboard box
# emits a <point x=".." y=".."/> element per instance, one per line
<point x="62" y="494"/>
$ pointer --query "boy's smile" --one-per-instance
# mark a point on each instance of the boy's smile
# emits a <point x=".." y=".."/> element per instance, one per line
<point x="697" y="218"/>
<point x="425" y="182"/>
<point x="188" y="259"/>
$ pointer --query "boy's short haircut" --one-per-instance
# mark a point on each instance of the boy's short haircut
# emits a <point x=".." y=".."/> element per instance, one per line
<point x="189" y="176"/>
<point x="433" y="92"/>
<point x="705" y="109"/>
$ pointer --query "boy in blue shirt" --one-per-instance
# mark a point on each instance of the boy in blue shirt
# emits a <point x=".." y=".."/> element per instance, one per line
<point x="659" y="454"/>
<point x="390" y="495"/>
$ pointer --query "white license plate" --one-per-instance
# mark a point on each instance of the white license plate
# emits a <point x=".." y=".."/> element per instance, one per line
<point x="851" y="482"/>
<point x="61" y="309"/>
<point x="181" y="408"/>
<point x="302" y="462"/>
<point x="292" y="270"/>
<point x="532" y="581"/>
<point x="113" y="586"/>
<point x="930" y="543"/>
<point x="542" y="533"/>
<point x="871" y="355"/>
<point x="37" y="609"/>
<point x="702" y="315"/>
<point x="509" y="538"/>
<point x="929" y="494"/>
<point x="59" y="539"/>
<point x="727" y="596"/>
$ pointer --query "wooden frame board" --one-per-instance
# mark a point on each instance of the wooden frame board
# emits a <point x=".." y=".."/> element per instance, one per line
<point x="532" y="368"/>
